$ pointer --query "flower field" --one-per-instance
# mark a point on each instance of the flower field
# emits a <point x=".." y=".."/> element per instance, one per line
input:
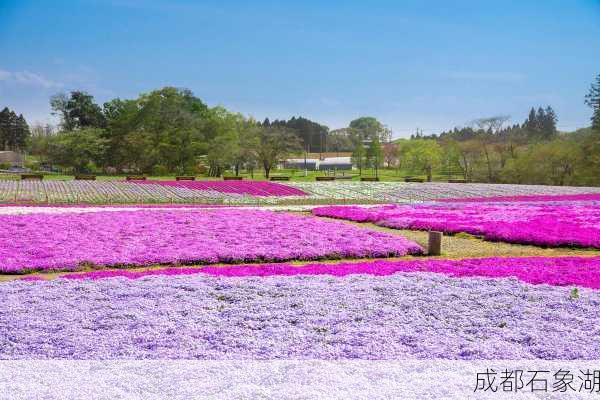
<point x="69" y="241"/>
<point x="399" y="316"/>
<point x="402" y="192"/>
<point x="557" y="271"/>
<point x="260" y="193"/>
<point x="543" y="198"/>
<point x="250" y="188"/>
<point x="135" y="282"/>
<point x="541" y="223"/>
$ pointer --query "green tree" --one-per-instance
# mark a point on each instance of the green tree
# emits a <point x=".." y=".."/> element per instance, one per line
<point x="77" y="111"/>
<point x="14" y="131"/>
<point x="173" y="124"/>
<point x="391" y="154"/>
<point x="120" y="133"/>
<point x="339" y="140"/>
<point x="358" y="156"/>
<point x="313" y="136"/>
<point x="274" y="144"/>
<point x="82" y="150"/>
<point x="423" y="155"/>
<point x="375" y="155"/>
<point x="367" y="128"/>
<point x="550" y="163"/>
<point x="592" y="99"/>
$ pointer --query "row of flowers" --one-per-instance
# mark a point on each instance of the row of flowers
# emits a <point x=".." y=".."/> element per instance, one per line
<point x="106" y="192"/>
<point x="547" y="224"/>
<point x="253" y="192"/>
<point x="558" y="271"/>
<point x="529" y="198"/>
<point x="398" y="316"/>
<point x="249" y="188"/>
<point x="401" y="192"/>
<point x="145" y="237"/>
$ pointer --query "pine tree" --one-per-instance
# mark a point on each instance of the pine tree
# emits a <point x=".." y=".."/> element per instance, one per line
<point x="592" y="99"/>
<point x="549" y="123"/>
<point x="22" y="133"/>
<point x="540" y="117"/>
<point x="531" y="123"/>
<point x="4" y="127"/>
<point x="11" y="140"/>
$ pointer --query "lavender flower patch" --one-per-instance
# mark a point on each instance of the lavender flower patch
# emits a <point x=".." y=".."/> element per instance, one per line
<point x="400" y="316"/>
<point x="65" y="242"/>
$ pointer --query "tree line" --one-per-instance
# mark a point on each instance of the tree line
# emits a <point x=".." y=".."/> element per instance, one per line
<point x="162" y="132"/>
<point x="489" y="150"/>
<point x="172" y="131"/>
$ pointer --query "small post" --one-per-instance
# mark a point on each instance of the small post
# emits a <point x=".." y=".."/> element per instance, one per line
<point x="435" y="243"/>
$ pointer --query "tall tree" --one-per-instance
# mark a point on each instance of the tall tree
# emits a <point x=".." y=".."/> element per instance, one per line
<point x="77" y="111"/>
<point x="488" y="131"/>
<point x="5" y="127"/>
<point x="592" y="99"/>
<point x="21" y="134"/>
<point x="375" y="155"/>
<point x="358" y="156"/>
<point x="339" y="140"/>
<point x="14" y="131"/>
<point x="549" y="124"/>
<point x="423" y="155"/>
<point x="531" y="123"/>
<point x="391" y="154"/>
<point x="367" y="128"/>
<point x="274" y="144"/>
<point x="59" y="104"/>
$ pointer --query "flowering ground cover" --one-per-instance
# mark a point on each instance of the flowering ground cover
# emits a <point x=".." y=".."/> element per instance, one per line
<point x="406" y="192"/>
<point x="120" y="192"/>
<point x="558" y="271"/>
<point x="398" y="316"/>
<point x="547" y="224"/>
<point x="259" y="193"/>
<point x="252" y="188"/>
<point x="544" y="198"/>
<point x="144" y="237"/>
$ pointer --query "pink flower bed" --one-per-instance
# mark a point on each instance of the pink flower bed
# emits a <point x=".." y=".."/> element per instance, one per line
<point x="546" y="224"/>
<point x="124" y="205"/>
<point x="558" y="271"/>
<point x="545" y="198"/>
<point x="145" y="237"/>
<point x="251" y="188"/>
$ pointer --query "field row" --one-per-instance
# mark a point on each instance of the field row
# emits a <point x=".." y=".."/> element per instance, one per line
<point x="555" y="223"/>
<point x="259" y="193"/>
<point x="403" y="315"/>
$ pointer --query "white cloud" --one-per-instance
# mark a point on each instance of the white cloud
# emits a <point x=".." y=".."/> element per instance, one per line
<point x="28" y="78"/>
<point x="4" y="75"/>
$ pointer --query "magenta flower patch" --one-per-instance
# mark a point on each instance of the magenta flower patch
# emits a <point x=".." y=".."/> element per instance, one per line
<point x="574" y="224"/>
<point x="558" y="271"/>
<point x="251" y="188"/>
<point x="65" y="242"/>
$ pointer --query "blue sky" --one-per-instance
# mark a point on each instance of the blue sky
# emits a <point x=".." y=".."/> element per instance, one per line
<point x="426" y="64"/>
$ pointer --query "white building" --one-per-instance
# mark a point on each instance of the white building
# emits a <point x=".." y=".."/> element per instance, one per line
<point x="326" y="164"/>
